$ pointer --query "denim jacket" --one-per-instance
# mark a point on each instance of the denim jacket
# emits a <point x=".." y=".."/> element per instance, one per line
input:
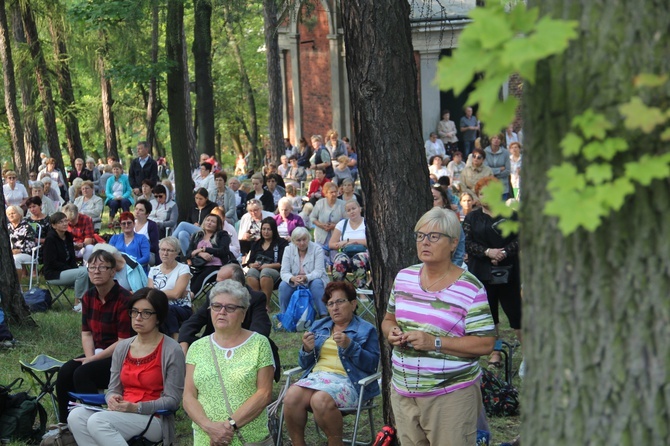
<point x="360" y="358"/>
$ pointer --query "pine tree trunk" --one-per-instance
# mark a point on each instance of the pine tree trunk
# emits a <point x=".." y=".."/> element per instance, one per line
<point x="204" y="86"/>
<point x="107" y="100"/>
<point x="596" y="306"/>
<point x="43" y="84"/>
<point x="385" y="112"/>
<point x="13" y="116"/>
<point x="31" y="132"/>
<point x="68" y="106"/>
<point x="174" y="47"/>
<point x="275" y="116"/>
<point x="193" y="157"/>
<point x="153" y="107"/>
<point x="251" y="130"/>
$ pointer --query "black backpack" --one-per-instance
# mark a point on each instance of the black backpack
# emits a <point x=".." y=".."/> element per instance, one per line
<point x="18" y="415"/>
<point x="38" y="299"/>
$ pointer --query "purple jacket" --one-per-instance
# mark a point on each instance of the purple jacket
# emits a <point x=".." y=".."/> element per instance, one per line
<point x="292" y="222"/>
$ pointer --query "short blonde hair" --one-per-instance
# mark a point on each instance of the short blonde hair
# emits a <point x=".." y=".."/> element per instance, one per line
<point x="444" y="220"/>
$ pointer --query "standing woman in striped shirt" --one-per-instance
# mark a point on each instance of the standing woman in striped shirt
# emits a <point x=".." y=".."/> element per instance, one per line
<point x="439" y="323"/>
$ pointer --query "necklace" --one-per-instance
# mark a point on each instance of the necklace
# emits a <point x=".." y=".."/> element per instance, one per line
<point x="432" y="284"/>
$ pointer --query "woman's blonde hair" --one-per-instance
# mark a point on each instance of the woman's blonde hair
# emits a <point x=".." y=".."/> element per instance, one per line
<point x="443" y="220"/>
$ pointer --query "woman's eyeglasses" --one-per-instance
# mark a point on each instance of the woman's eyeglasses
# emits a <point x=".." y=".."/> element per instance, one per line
<point x="336" y="303"/>
<point x="166" y="250"/>
<point x="230" y="308"/>
<point x="477" y="157"/>
<point x="433" y="237"/>
<point x="146" y="314"/>
<point x="127" y="223"/>
<point x="101" y="268"/>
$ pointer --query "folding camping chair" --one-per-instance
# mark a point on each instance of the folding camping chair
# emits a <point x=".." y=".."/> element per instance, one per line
<point x="58" y="289"/>
<point x="49" y="367"/>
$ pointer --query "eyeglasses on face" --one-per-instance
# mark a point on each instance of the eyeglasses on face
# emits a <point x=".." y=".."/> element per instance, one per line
<point x="127" y="223"/>
<point x="477" y="157"/>
<point x="101" y="268"/>
<point x="433" y="237"/>
<point x="336" y="303"/>
<point x="146" y="314"/>
<point x="230" y="308"/>
<point x="160" y="195"/>
<point x="166" y="250"/>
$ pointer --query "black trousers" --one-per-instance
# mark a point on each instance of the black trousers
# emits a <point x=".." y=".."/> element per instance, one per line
<point x="81" y="378"/>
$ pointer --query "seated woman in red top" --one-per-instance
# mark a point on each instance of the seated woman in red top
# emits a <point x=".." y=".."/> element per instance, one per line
<point x="147" y="375"/>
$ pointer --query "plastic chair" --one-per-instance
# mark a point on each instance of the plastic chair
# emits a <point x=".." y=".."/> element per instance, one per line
<point x="34" y="257"/>
<point x="98" y="399"/>
<point x="50" y="367"/>
<point x="358" y="410"/>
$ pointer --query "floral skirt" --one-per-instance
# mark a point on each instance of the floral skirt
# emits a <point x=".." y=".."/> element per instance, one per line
<point x="357" y="265"/>
<point x="337" y="386"/>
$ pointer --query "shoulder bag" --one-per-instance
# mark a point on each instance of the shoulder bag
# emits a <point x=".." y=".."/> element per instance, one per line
<point x="351" y="250"/>
<point x="267" y="441"/>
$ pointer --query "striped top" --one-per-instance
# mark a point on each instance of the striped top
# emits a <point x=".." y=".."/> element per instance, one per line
<point x="461" y="309"/>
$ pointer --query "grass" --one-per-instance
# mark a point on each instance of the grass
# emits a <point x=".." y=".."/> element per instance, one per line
<point x="58" y="335"/>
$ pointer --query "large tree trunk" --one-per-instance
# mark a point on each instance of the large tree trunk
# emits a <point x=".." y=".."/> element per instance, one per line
<point x="68" y="106"/>
<point x="111" y="145"/>
<point x="43" y="84"/>
<point x="13" y="116"/>
<point x="153" y="106"/>
<point x="193" y="157"/>
<point x="596" y="306"/>
<point x="31" y="131"/>
<point x="275" y="118"/>
<point x="250" y="130"/>
<point x="174" y="47"/>
<point x="204" y="86"/>
<point x="10" y="288"/>
<point x="385" y="112"/>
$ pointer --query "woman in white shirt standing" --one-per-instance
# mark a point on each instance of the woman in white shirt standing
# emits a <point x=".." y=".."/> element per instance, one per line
<point x="15" y="192"/>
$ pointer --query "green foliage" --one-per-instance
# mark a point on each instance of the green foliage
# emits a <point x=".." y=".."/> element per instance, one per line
<point x="499" y="207"/>
<point x="581" y="198"/>
<point x="496" y="45"/>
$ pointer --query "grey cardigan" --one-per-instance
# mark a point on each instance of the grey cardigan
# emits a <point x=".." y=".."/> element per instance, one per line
<point x="173" y="366"/>
<point x="313" y="264"/>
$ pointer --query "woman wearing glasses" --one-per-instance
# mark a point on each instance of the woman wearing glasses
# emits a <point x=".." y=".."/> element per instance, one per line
<point x="147" y="375"/>
<point x="174" y="279"/>
<point x="474" y="171"/>
<point x="229" y="407"/>
<point x="439" y="322"/>
<point x="339" y="351"/>
<point x="129" y="242"/>
<point x="104" y="322"/>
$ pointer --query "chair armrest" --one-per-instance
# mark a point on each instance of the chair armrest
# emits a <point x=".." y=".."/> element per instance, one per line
<point x="369" y="379"/>
<point x="293" y="371"/>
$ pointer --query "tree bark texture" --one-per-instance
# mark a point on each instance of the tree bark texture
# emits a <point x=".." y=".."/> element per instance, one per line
<point x="204" y="85"/>
<point x="275" y="115"/>
<point x="188" y="110"/>
<point x="31" y="132"/>
<point x="107" y="100"/>
<point x="385" y="113"/>
<point x="43" y="84"/>
<point x="10" y="289"/>
<point x="153" y="106"/>
<point x="68" y="106"/>
<point x="596" y="308"/>
<point x="12" y="109"/>
<point x="174" y="47"/>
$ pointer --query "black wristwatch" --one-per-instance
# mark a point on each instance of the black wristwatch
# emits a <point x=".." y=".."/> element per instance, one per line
<point x="232" y="423"/>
